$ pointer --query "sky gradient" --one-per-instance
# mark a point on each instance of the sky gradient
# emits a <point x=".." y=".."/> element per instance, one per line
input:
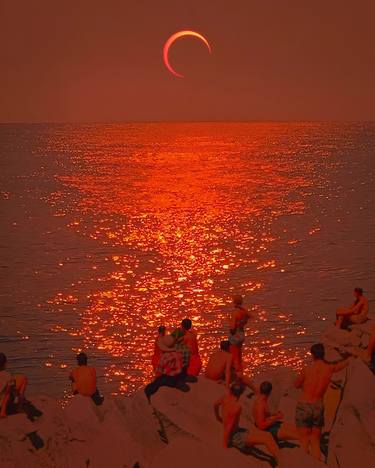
<point x="271" y="60"/>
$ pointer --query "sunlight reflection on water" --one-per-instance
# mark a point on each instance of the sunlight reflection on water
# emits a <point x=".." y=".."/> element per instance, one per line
<point x="181" y="216"/>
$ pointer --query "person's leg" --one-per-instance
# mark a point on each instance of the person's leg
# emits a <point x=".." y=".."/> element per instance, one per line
<point x="247" y="381"/>
<point x="154" y="386"/>
<point x="4" y="404"/>
<point x="21" y="384"/>
<point x="304" y="437"/>
<point x="258" y="437"/>
<point x="288" y="432"/>
<point x="236" y="355"/>
<point x="315" y="442"/>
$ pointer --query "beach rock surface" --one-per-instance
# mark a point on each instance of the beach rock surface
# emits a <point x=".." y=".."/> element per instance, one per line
<point x="180" y="429"/>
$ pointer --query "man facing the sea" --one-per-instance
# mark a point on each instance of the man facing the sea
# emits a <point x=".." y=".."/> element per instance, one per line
<point x="356" y="313"/>
<point x="219" y="366"/>
<point x="314" y="380"/>
<point x="83" y="380"/>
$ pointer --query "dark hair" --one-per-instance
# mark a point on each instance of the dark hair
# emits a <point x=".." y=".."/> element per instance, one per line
<point x="186" y="324"/>
<point x="317" y="350"/>
<point x="82" y="359"/>
<point x="359" y="291"/>
<point x="225" y="345"/>
<point x="265" y="388"/>
<point x="3" y="361"/>
<point x="237" y="389"/>
<point x="161" y="329"/>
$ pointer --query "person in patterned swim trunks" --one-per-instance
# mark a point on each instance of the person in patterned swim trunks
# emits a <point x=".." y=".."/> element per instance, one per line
<point x="234" y="435"/>
<point x="314" y="380"/>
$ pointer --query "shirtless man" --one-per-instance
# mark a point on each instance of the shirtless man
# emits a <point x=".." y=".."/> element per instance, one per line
<point x="238" y="321"/>
<point x="314" y="380"/>
<point x="219" y="366"/>
<point x="83" y="380"/>
<point x="272" y="423"/>
<point x="234" y="436"/>
<point x="356" y="313"/>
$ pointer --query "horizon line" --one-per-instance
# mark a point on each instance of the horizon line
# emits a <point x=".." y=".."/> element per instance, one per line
<point x="87" y="122"/>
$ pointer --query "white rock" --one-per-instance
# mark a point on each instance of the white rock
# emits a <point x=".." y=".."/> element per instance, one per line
<point x="352" y="437"/>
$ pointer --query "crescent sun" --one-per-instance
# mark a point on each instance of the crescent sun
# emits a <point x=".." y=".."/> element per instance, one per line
<point x="172" y="39"/>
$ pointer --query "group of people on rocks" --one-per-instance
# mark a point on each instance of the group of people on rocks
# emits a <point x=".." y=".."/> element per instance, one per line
<point x="13" y="387"/>
<point x="176" y="363"/>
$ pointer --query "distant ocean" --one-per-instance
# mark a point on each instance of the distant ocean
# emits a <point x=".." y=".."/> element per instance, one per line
<point x="108" y="231"/>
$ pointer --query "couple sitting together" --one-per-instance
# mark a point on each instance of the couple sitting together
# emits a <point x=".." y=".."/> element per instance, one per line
<point x="176" y="359"/>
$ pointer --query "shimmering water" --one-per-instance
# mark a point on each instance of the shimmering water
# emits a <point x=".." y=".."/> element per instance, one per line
<point x="110" y="230"/>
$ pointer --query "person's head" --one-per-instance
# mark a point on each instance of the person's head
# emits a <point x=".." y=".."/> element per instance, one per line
<point x="358" y="292"/>
<point x="82" y="359"/>
<point x="225" y="345"/>
<point x="237" y="389"/>
<point x="3" y="361"/>
<point x="186" y="324"/>
<point x="168" y="341"/>
<point x="317" y="351"/>
<point x="162" y="330"/>
<point x="265" y="388"/>
<point x="237" y="300"/>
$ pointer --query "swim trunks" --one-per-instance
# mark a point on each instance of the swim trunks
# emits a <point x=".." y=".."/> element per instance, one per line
<point x="309" y="414"/>
<point x="237" y="338"/>
<point x="238" y="439"/>
<point x="274" y="430"/>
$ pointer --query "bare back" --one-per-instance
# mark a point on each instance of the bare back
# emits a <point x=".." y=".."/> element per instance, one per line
<point x="231" y="411"/>
<point x="315" y="379"/>
<point x="217" y="364"/>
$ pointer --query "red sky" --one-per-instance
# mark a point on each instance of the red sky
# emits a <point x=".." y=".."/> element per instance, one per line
<point x="102" y="60"/>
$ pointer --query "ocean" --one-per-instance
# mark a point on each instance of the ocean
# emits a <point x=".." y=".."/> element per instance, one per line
<point x="110" y="230"/>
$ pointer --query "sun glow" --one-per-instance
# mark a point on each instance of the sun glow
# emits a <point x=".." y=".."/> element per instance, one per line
<point x="172" y="39"/>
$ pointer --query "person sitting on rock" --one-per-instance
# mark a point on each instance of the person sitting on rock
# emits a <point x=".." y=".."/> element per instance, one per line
<point x="314" y="380"/>
<point x="12" y="389"/>
<point x="185" y="349"/>
<point x="234" y="435"/>
<point x="169" y="371"/>
<point x="157" y="351"/>
<point x="219" y="366"/>
<point x="238" y="321"/>
<point x="272" y="423"/>
<point x="356" y="313"/>
<point x="84" y="381"/>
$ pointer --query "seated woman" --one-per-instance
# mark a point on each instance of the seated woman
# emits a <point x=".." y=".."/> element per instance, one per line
<point x="356" y="313"/>
<point x="12" y="390"/>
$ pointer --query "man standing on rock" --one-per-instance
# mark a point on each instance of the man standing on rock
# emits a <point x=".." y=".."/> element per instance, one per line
<point x="234" y="435"/>
<point x="314" y="380"/>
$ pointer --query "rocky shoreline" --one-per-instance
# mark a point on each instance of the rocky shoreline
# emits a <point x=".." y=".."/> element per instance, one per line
<point x="180" y="430"/>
